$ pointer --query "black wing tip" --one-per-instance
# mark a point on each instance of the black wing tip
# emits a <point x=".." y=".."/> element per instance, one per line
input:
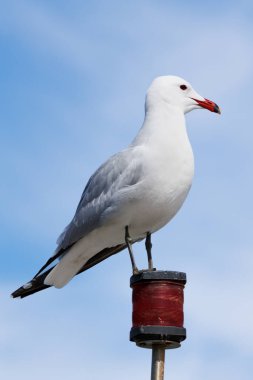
<point x="17" y="293"/>
<point x="31" y="287"/>
<point x="37" y="283"/>
<point x="22" y="292"/>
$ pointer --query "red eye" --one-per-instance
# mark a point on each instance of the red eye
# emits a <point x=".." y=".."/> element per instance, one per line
<point x="183" y="87"/>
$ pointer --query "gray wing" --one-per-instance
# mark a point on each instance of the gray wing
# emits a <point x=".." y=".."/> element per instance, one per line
<point x="120" y="171"/>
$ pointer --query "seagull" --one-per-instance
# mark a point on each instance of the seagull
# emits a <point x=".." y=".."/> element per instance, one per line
<point x="134" y="193"/>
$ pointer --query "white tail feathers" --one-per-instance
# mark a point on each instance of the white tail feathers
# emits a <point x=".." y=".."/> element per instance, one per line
<point x="63" y="273"/>
<point x="68" y="266"/>
<point x="81" y="252"/>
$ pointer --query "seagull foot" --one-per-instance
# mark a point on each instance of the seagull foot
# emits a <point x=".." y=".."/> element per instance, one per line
<point x="146" y="270"/>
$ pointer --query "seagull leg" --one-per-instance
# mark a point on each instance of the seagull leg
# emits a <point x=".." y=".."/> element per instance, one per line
<point x="148" y="245"/>
<point x="128" y="241"/>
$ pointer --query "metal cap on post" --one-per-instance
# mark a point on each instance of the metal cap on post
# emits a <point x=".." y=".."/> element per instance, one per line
<point x="158" y="317"/>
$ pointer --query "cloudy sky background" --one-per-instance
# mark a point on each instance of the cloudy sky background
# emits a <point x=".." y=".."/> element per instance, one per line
<point x="73" y="79"/>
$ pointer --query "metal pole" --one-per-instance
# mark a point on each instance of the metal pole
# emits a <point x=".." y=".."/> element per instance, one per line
<point x="158" y="358"/>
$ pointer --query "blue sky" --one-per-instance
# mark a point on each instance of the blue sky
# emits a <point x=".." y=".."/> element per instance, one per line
<point x="73" y="80"/>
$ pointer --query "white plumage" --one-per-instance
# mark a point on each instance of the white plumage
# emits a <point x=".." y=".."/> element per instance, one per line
<point x="142" y="187"/>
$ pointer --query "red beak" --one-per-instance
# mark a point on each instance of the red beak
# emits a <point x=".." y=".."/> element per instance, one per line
<point x="208" y="104"/>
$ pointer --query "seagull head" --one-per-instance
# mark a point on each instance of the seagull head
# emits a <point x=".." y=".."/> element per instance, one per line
<point x="177" y="92"/>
